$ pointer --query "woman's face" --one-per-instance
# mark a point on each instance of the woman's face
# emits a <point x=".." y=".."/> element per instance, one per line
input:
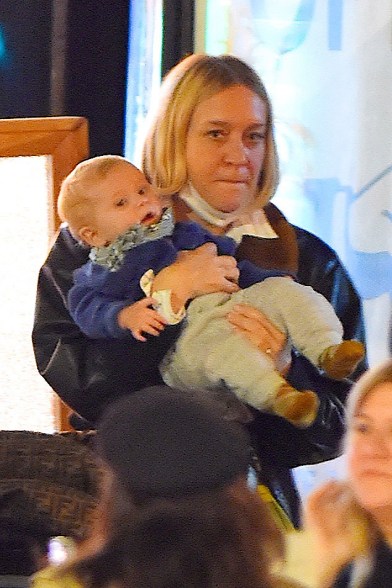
<point x="369" y="450"/>
<point x="226" y="146"/>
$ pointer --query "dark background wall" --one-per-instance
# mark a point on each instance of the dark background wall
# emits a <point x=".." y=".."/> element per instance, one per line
<point x="95" y="80"/>
<point x="25" y="61"/>
<point x="178" y="28"/>
<point x="94" y="55"/>
<point x="69" y="57"/>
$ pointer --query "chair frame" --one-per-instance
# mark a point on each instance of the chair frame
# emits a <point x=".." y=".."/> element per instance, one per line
<point x="65" y="139"/>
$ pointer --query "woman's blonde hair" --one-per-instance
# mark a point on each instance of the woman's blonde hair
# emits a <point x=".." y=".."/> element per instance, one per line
<point x="364" y="528"/>
<point x="193" y="80"/>
<point x="379" y="374"/>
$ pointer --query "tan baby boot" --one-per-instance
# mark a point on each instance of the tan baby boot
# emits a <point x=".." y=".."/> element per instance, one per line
<point x="300" y="408"/>
<point x="339" y="361"/>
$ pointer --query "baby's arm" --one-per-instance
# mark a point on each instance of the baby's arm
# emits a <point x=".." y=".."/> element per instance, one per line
<point x="141" y="318"/>
<point x="101" y="314"/>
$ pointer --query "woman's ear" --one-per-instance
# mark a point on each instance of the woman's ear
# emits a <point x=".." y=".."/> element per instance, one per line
<point x="89" y="236"/>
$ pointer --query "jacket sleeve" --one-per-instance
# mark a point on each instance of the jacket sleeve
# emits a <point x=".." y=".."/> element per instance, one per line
<point x="321" y="268"/>
<point x="87" y="374"/>
<point x="317" y="265"/>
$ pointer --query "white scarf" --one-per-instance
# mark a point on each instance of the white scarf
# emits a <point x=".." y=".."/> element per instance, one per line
<point x="243" y="222"/>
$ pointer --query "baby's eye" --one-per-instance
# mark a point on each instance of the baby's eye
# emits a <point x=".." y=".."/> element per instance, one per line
<point x="121" y="202"/>
<point x="141" y="192"/>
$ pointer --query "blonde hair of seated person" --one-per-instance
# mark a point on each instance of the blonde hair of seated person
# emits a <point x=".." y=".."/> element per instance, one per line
<point x="347" y="519"/>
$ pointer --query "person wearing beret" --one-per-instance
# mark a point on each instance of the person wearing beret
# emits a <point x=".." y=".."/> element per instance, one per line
<point x="177" y="507"/>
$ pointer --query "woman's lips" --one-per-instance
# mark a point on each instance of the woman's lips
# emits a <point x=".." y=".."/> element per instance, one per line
<point x="234" y="182"/>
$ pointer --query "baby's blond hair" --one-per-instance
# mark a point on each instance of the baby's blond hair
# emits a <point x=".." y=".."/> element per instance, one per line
<point x="75" y="203"/>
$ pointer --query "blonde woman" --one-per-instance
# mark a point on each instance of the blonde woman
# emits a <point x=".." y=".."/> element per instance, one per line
<point x="351" y="522"/>
<point x="210" y="146"/>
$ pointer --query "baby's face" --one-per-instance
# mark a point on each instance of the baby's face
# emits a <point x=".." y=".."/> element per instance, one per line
<point x="124" y="198"/>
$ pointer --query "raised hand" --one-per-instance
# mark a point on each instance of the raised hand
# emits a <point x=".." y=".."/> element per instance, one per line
<point x="338" y="527"/>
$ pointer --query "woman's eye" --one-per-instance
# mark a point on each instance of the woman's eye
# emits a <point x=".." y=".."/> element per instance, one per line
<point x="121" y="202"/>
<point x="141" y="192"/>
<point x="256" y="137"/>
<point x="360" y="427"/>
<point x="215" y="133"/>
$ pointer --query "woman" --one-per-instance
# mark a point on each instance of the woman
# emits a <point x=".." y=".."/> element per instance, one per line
<point x="176" y="507"/>
<point x="351" y="522"/>
<point x="210" y="146"/>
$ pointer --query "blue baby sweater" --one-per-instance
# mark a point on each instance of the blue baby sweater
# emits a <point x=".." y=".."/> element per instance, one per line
<point x="99" y="294"/>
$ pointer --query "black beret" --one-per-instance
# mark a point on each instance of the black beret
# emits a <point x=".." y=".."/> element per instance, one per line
<point x="163" y="443"/>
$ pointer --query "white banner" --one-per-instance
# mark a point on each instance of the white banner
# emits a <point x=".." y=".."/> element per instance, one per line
<point x="328" y="67"/>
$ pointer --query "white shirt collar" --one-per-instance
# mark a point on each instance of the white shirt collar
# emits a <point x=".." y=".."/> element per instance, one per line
<point x="252" y="222"/>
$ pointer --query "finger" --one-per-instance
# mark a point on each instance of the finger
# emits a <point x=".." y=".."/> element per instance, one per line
<point x="325" y="493"/>
<point x="153" y="330"/>
<point x="246" y="310"/>
<point x="207" y="249"/>
<point x="148" y="301"/>
<point x="250" y="313"/>
<point x="230" y="272"/>
<point x="254" y="319"/>
<point x="247" y="323"/>
<point x="158" y="318"/>
<point x="227" y="261"/>
<point x="159" y="323"/>
<point x="229" y="286"/>
<point x="138" y="335"/>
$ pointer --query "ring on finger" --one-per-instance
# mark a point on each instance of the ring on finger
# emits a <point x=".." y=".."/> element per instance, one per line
<point x="268" y="351"/>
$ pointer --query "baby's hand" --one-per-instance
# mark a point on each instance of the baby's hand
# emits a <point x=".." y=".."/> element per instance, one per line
<point x="140" y="317"/>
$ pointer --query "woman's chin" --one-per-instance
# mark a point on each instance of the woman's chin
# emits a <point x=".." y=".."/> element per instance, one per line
<point x="374" y="496"/>
<point x="233" y="198"/>
<point x="233" y="205"/>
<point x="230" y="209"/>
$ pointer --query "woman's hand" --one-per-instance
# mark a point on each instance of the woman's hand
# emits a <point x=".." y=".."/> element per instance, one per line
<point x="338" y="528"/>
<point x="256" y="327"/>
<point x="197" y="272"/>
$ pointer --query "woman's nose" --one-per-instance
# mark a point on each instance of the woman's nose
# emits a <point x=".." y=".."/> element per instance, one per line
<point x="236" y="151"/>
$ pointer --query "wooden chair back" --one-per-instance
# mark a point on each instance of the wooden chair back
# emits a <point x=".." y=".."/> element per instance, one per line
<point x="65" y="140"/>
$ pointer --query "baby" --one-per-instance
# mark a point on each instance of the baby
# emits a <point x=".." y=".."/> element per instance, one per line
<point x="110" y="206"/>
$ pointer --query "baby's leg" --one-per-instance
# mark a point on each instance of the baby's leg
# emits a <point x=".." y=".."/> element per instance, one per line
<point x="210" y="354"/>
<point x="309" y="321"/>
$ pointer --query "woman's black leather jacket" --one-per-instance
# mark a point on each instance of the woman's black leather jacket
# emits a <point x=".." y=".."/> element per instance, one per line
<point x="89" y="374"/>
